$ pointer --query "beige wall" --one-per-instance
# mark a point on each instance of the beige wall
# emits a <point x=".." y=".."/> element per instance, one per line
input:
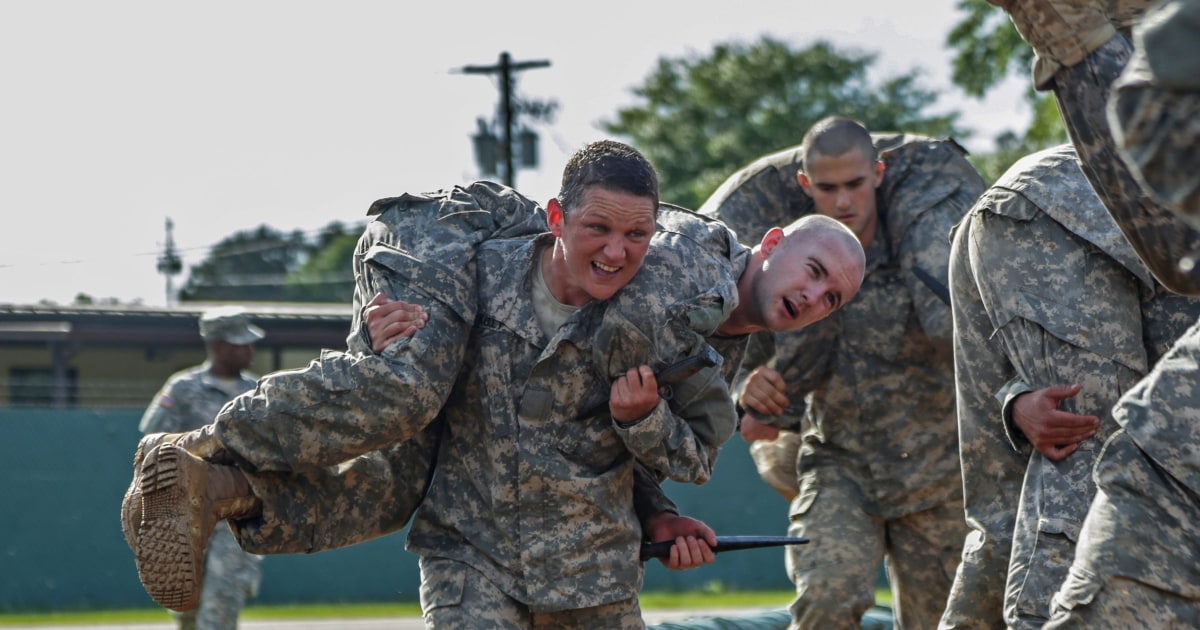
<point x="129" y="377"/>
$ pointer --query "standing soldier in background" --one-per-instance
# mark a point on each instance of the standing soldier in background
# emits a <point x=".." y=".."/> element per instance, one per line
<point x="189" y="400"/>
<point x="871" y="387"/>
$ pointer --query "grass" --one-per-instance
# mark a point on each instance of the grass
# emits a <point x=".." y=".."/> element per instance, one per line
<point x="704" y="599"/>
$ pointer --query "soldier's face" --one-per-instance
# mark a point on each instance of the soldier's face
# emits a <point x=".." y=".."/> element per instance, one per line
<point x="600" y="246"/>
<point x="843" y="187"/>
<point x="231" y="357"/>
<point x="805" y="279"/>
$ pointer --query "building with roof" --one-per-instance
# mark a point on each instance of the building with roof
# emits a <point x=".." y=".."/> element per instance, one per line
<point x="104" y="357"/>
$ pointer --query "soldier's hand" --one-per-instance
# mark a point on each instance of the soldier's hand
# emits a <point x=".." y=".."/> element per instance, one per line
<point x="1053" y="432"/>
<point x="388" y="320"/>
<point x="764" y="392"/>
<point x="752" y="429"/>
<point x="694" y="540"/>
<point x="634" y="395"/>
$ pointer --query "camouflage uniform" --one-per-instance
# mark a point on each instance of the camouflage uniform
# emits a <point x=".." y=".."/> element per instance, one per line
<point x="288" y="435"/>
<point x="1046" y="292"/>
<point x="189" y="400"/>
<point x="549" y="521"/>
<point x="1136" y="562"/>
<point x="304" y="436"/>
<point x="878" y="471"/>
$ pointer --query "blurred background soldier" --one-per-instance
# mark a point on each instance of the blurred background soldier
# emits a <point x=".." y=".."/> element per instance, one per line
<point x="189" y="400"/>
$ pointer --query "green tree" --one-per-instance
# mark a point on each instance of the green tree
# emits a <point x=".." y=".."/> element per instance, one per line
<point x="988" y="50"/>
<point x="327" y="275"/>
<point x="249" y="266"/>
<point x="700" y="118"/>
<point x="267" y="265"/>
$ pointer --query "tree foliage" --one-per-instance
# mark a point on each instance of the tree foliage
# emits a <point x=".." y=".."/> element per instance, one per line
<point x="700" y="118"/>
<point x="326" y="276"/>
<point x="267" y="265"/>
<point x="988" y="50"/>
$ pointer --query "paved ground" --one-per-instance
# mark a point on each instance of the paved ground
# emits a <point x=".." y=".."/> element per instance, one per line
<point x="393" y="623"/>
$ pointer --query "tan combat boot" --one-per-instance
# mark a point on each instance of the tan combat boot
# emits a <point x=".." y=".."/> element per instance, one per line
<point x="1061" y="32"/>
<point x="200" y="442"/>
<point x="183" y="499"/>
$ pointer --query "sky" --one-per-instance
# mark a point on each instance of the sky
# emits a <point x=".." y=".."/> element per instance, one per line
<point x="226" y="115"/>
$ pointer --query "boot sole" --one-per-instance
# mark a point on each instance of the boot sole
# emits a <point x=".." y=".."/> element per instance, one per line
<point x="131" y="504"/>
<point x="170" y="559"/>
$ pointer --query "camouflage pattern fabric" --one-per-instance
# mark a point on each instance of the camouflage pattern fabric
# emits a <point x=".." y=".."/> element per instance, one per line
<point x="1136" y="558"/>
<point x="298" y="436"/>
<point x="551" y="521"/>
<point x="1058" y="297"/>
<point x="874" y="382"/>
<point x="588" y="467"/>
<point x="419" y="249"/>
<point x="1154" y="230"/>
<point x="315" y="508"/>
<point x="1136" y="564"/>
<point x="189" y="400"/>
<point x="1155" y="111"/>
<point x="455" y="595"/>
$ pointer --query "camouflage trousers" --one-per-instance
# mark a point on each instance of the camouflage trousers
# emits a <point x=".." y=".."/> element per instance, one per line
<point x="369" y="496"/>
<point x="342" y="451"/>
<point x="835" y="573"/>
<point x="455" y="595"/>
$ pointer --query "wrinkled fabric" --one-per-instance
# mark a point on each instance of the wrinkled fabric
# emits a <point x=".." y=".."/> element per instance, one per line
<point x="365" y="421"/>
<point x="575" y="482"/>
<point x="1137" y="553"/>
<point x="1065" y="300"/>
<point x="189" y="400"/>
<point x="550" y="521"/>
<point x="456" y="596"/>
<point x="1155" y="231"/>
<point x="1155" y="111"/>
<point x="872" y="384"/>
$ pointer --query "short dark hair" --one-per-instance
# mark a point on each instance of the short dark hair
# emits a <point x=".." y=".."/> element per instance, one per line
<point x="610" y="165"/>
<point x="835" y="135"/>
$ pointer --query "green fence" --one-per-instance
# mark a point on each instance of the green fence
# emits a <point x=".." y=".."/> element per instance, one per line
<point x="61" y="547"/>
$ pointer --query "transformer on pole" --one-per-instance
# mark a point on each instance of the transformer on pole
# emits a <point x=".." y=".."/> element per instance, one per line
<point x="490" y="150"/>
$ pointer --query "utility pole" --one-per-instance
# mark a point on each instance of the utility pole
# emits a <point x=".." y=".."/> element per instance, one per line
<point x="505" y="68"/>
<point x="169" y="263"/>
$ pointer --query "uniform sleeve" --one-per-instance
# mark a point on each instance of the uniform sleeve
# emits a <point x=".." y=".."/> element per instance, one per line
<point x="162" y="415"/>
<point x="802" y="357"/>
<point x="648" y="496"/>
<point x="1007" y="397"/>
<point x="992" y="471"/>
<point x="680" y="438"/>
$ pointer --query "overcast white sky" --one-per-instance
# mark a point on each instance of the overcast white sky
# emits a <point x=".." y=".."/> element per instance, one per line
<point x="226" y="115"/>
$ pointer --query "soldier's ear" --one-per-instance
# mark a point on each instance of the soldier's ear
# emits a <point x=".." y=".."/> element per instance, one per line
<point x="554" y="217"/>
<point x="770" y="241"/>
<point x="804" y="182"/>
